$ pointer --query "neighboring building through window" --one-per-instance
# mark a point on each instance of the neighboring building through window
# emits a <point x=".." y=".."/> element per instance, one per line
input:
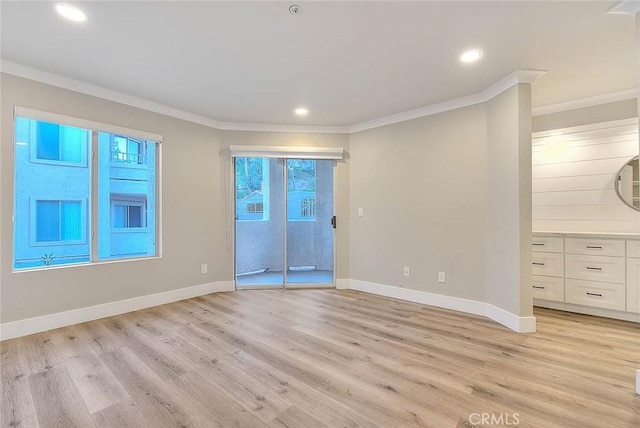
<point x="58" y="221"/>
<point x="308" y="208"/>
<point x="125" y="215"/>
<point x="128" y="150"/>
<point x="301" y="189"/>
<point x="54" y="175"/>
<point x="255" y="208"/>
<point x="59" y="143"/>
<point x="252" y="188"/>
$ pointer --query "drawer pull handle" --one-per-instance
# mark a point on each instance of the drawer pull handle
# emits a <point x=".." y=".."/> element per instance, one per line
<point x="538" y="244"/>
<point x="538" y="264"/>
<point x="594" y="294"/>
<point x="594" y="247"/>
<point x="593" y="268"/>
<point x="538" y="287"/>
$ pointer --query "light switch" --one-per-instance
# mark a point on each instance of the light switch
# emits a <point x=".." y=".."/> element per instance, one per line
<point x="360" y="212"/>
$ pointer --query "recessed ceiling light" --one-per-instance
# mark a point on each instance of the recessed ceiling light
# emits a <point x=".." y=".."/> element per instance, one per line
<point x="71" y="12"/>
<point x="301" y="111"/>
<point x="471" y="55"/>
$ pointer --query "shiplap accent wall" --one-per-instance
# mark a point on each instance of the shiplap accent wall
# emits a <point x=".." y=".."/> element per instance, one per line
<point x="574" y="174"/>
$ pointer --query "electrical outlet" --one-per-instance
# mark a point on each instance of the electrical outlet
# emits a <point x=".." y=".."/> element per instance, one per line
<point x="405" y="271"/>
<point x="442" y="277"/>
<point x="204" y="269"/>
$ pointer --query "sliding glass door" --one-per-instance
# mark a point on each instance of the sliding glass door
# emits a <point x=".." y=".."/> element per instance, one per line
<point x="284" y="232"/>
<point x="309" y="222"/>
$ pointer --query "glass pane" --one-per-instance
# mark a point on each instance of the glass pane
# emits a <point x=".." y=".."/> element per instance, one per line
<point x="51" y="200"/>
<point x="135" y="216"/>
<point x="73" y="140"/>
<point x="301" y="190"/>
<point x="259" y="184"/>
<point x="133" y="151"/>
<point x="309" y="229"/>
<point x="71" y="224"/>
<point x="252" y="178"/>
<point x="125" y="188"/>
<point x="48" y="141"/>
<point x="47" y="221"/>
<point x="119" y="216"/>
<point x="119" y="148"/>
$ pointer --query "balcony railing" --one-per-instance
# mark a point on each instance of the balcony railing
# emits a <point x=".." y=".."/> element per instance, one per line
<point x="129" y="158"/>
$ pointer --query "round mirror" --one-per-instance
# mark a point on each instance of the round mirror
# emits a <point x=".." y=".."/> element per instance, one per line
<point x="627" y="184"/>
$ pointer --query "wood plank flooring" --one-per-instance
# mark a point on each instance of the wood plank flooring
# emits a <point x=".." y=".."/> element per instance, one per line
<point x="313" y="358"/>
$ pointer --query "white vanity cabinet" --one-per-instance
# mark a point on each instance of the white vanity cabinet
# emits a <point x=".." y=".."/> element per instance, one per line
<point x="633" y="276"/>
<point x="595" y="274"/>
<point x="548" y="268"/>
<point x="592" y="271"/>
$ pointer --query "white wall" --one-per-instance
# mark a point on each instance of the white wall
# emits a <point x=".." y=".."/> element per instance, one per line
<point x="422" y="185"/>
<point x="574" y="175"/>
<point x="508" y="244"/>
<point x="447" y="193"/>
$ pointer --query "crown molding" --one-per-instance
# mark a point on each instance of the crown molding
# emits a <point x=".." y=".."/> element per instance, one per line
<point x="513" y="78"/>
<point x="518" y="76"/>
<point x="612" y="97"/>
<point x="41" y="76"/>
<point x="19" y="70"/>
<point x="267" y="127"/>
<point x="625" y="7"/>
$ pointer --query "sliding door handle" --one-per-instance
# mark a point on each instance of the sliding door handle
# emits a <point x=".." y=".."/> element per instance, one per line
<point x="333" y="222"/>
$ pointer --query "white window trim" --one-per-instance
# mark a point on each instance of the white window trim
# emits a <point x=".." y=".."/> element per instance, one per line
<point x="287" y="152"/>
<point x="83" y="123"/>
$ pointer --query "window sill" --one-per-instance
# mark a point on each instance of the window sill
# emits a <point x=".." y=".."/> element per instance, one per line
<point x="81" y="164"/>
<point x="84" y="264"/>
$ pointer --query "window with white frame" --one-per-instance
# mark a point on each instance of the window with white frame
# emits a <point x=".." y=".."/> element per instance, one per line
<point x="57" y="220"/>
<point x="128" y="150"/>
<point x="56" y="143"/>
<point x="127" y="214"/>
<point x="52" y="158"/>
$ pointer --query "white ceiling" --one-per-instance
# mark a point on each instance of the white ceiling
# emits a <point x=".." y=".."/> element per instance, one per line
<point x="348" y="62"/>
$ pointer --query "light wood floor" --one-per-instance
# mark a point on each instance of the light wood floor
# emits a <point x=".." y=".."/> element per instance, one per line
<point x="313" y="358"/>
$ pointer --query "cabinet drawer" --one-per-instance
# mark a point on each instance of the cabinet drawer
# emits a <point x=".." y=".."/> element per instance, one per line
<point x="633" y="249"/>
<point x="595" y="268"/>
<point x="597" y="294"/>
<point x="548" y="288"/>
<point x="633" y="285"/>
<point x="595" y="246"/>
<point x="548" y="264"/>
<point x="548" y="244"/>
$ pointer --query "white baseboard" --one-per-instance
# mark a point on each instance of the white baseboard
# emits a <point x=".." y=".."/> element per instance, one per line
<point x="28" y="326"/>
<point x="342" y="284"/>
<point x="588" y="310"/>
<point x="514" y="322"/>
